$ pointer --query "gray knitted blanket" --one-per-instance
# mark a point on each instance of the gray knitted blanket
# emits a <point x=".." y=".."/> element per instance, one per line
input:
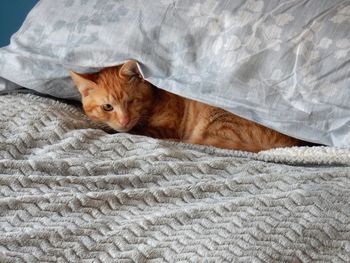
<point x="70" y="192"/>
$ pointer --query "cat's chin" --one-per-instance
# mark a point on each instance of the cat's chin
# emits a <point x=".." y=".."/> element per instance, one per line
<point x="122" y="130"/>
<point x="118" y="129"/>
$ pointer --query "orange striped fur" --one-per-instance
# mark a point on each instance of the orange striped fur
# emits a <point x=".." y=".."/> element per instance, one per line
<point x="136" y="106"/>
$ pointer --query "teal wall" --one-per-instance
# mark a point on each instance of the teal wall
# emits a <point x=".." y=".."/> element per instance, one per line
<point x="12" y="15"/>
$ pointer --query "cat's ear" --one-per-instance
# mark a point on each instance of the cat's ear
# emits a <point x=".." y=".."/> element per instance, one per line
<point x="84" y="82"/>
<point x="130" y="69"/>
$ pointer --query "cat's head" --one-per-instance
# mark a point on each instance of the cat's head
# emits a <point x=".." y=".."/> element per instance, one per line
<point x="117" y="96"/>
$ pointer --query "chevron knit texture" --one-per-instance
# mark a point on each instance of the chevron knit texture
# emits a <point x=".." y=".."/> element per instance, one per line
<point x="70" y="192"/>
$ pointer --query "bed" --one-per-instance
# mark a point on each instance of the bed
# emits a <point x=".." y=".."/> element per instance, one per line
<point x="74" y="191"/>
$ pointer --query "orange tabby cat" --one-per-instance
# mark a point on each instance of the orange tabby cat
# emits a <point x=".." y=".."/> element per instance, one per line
<point x="120" y="97"/>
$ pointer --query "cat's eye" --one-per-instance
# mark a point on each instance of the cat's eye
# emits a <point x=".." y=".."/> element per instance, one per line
<point x="107" y="107"/>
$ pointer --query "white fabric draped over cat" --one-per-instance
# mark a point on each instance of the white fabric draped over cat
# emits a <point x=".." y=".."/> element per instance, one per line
<point x="284" y="64"/>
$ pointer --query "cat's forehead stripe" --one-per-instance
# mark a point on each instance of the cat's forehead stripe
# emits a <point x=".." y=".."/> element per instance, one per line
<point x="112" y="84"/>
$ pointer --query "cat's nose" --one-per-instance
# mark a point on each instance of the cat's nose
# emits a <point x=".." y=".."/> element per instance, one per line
<point x="124" y="121"/>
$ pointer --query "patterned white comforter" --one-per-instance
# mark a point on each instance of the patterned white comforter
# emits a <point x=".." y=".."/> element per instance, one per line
<point x="70" y="192"/>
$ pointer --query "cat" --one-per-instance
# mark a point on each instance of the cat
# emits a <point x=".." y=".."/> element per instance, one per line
<point x="120" y="97"/>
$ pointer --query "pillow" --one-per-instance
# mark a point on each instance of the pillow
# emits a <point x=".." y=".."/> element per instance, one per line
<point x="284" y="64"/>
